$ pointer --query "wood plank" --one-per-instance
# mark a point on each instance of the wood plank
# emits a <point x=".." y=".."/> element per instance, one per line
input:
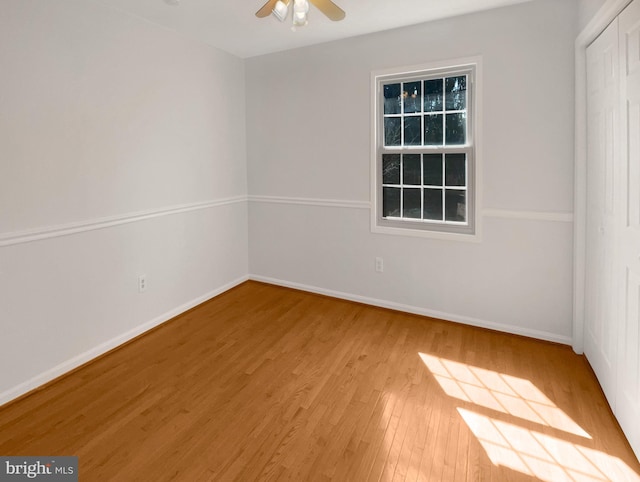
<point x="268" y="383"/>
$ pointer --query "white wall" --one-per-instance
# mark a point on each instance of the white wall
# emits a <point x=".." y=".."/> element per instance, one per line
<point x="122" y="152"/>
<point x="308" y="139"/>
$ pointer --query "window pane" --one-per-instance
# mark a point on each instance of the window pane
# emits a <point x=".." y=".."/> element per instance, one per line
<point x="433" y="95"/>
<point x="412" y="97"/>
<point x="391" y="202"/>
<point x="433" y="204"/>
<point x="456" y="169"/>
<point x="412" y="130"/>
<point x="392" y="99"/>
<point x="392" y="131"/>
<point x="411" y="169"/>
<point x="411" y="203"/>
<point x="456" y="129"/>
<point x="391" y="169"/>
<point x="456" y="92"/>
<point x="432" y="170"/>
<point x="433" y="130"/>
<point x="456" y="205"/>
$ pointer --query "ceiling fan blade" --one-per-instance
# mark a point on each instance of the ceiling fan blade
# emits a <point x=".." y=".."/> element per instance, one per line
<point x="266" y="9"/>
<point x="330" y="9"/>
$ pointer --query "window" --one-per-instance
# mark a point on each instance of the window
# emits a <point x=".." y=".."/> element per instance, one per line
<point x="424" y="151"/>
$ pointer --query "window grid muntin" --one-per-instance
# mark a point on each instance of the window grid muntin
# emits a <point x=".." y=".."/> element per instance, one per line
<point x="443" y="188"/>
<point x="444" y="112"/>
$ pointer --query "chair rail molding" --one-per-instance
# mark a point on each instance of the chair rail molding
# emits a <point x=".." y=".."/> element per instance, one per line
<point x="47" y="232"/>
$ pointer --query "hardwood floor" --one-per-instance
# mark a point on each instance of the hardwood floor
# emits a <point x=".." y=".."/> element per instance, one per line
<point x="267" y="383"/>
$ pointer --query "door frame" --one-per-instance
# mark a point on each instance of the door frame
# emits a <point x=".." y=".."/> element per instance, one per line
<point x="607" y="13"/>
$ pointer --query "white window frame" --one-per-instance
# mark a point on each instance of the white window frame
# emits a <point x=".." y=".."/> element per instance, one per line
<point x="470" y="231"/>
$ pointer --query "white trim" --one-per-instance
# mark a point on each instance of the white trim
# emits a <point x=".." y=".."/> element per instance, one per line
<point x="489" y="213"/>
<point x="20" y="237"/>
<point x="528" y="215"/>
<point x="600" y="21"/>
<point x="444" y="65"/>
<point x="103" y="348"/>
<point x="425" y="233"/>
<point x="511" y="329"/>
<point x="607" y="13"/>
<point x="332" y="203"/>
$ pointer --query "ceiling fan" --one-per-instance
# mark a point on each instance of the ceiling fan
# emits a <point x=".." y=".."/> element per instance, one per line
<point x="280" y="9"/>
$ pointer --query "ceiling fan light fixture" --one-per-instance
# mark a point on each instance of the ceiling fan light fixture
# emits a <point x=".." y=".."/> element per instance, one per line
<point x="300" y="6"/>
<point x="300" y="21"/>
<point x="300" y="10"/>
<point x="280" y="10"/>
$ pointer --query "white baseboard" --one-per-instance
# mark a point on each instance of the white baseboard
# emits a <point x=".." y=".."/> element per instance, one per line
<point x="511" y="329"/>
<point x="95" y="352"/>
<point x="101" y="349"/>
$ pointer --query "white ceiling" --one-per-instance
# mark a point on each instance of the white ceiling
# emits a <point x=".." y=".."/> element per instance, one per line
<point x="232" y="26"/>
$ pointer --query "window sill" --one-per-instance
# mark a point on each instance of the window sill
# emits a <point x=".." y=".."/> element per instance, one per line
<point x="426" y="233"/>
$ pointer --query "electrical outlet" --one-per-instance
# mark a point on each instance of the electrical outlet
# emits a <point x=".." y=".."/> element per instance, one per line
<point x="379" y="265"/>
<point x="142" y="283"/>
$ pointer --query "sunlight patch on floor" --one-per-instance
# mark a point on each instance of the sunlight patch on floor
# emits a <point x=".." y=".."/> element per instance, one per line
<point x="543" y="456"/>
<point x="498" y="391"/>
<point x="531" y="452"/>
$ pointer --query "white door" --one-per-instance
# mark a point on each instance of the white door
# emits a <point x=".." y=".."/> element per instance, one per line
<point x="601" y="333"/>
<point x="628" y="394"/>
